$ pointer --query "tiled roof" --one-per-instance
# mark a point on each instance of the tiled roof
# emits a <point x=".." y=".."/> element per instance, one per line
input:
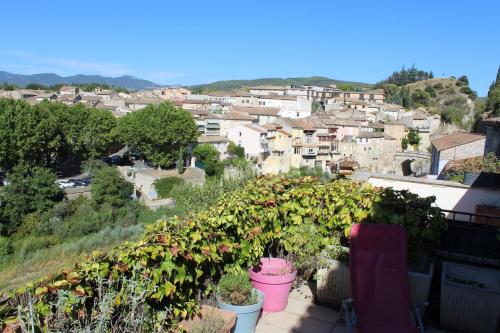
<point x="258" y="111"/>
<point x="455" y="140"/>
<point x="284" y="132"/>
<point x="212" y="138"/>
<point x="233" y="115"/>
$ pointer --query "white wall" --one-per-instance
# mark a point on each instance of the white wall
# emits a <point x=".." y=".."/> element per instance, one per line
<point x="458" y="197"/>
<point x="247" y="138"/>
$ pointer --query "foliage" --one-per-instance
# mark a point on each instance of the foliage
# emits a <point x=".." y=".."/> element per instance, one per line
<point x="210" y="323"/>
<point x="209" y="155"/>
<point x="176" y="259"/>
<point x="423" y="222"/>
<point x="493" y="100"/>
<point x="438" y="86"/>
<point x="413" y="137"/>
<point x="454" y="110"/>
<point x="464" y="80"/>
<point x="469" y="92"/>
<point x="297" y="81"/>
<point x="397" y="95"/>
<point x="164" y="186"/>
<point x="234" y="150"/>
<point x="420" y="98"/>
<point x="90" y="167"/>
<point x="30" y="190"/>
<point x="492" y="163"/>
<point x="48" y="132"/>
<point x="180" y="161"/>
<point x="431" y="91"/>
<point x="316" y="107"/>
<point x="404" y="143"/>
<point x="235" y="288"/>
<point x="346" y="87"/>
<point x="159" y="132"/>
<point x="405" y="76"/>
<point x="109" y="187"/>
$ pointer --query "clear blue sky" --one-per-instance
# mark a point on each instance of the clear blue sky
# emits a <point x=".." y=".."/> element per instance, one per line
<point x="191" y="42"/>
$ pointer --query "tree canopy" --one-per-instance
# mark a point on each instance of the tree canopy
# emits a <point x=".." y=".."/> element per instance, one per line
<point x="109" y="187"/>
<point x="42" y="134"/>
<point x="493" y="100"/>
<point x="159" y="132"/>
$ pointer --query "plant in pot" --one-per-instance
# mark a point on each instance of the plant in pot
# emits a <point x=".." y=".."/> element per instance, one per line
<point x="274" y="277"/>
<point x="235" y="293"/>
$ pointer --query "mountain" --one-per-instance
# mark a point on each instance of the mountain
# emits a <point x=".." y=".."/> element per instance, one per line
<point x="50" y="79"/>
<point x="242" y="84"/>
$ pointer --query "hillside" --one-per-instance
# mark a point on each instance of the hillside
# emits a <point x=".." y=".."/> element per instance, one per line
<point x="453" y="99"/>
<point x="50" y="79"/>
<point x="228" y="85"/>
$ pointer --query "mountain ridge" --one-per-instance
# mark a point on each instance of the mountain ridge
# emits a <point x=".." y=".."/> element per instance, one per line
<point x="49" y="79"/>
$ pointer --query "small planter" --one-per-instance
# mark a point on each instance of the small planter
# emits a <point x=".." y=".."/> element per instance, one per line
<point x="229" y="318"/>
<point x="247" y="315"/>
<point x="420" y="286"/>
<point x="274" y="277"/>
<point x="333" y="283"/>
<point x="470" y="298"/>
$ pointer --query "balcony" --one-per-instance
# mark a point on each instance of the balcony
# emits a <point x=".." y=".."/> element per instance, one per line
<point x="309" y="151"/>
<point x="297" y="142"/>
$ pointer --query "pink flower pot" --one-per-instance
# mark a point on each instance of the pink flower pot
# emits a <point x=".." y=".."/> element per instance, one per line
<point x="274" y="277"/>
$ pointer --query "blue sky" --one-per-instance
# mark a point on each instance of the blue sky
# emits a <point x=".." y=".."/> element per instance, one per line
<point x="202" y="41"/>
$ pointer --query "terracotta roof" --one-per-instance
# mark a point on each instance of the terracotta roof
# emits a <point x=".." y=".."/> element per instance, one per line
<point x="287" y="98"/>
<point x="492" y="121"/>
<point x="376" y="125"/>
<point x="270" y="127"/>
<point x="212" y="138"/>
<point x="198" y="112"/>
<point x="455" y="140"/>
<point x="258" y="111"/>
<point x="256" y="128"/>
<point x="284" y="132"/>
<point x="363" y="134"/>
<point x="233" y="115"/>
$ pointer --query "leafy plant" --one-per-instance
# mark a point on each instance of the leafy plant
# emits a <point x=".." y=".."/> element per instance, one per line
<point x="236" y="289"/>
<point x="165" y="186"/>
<point x="210" y="323"/>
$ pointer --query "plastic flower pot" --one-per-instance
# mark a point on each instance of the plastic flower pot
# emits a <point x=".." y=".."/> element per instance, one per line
<point x="274" y="277"/>
<point x="246" y="315"/>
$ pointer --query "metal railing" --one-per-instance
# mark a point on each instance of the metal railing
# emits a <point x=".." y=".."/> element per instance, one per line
<point x="471" y="238"/>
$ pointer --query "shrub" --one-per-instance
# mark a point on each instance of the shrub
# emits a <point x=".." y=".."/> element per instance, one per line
<point x="108" y="186"/>
<point x="234" y="150"/>
<point x="438" y="86"/>
<point x="236" y="289"/>
<point x="164" y="186"/>
<point x="5" y="246"/>
<point x="432" y="92"/>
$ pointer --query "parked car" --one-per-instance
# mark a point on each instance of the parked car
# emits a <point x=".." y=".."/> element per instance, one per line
<point x="65" y="183"/>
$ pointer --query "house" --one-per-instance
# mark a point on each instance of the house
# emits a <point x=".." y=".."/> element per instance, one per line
<point x="69" y="90"/>
<point x="280" y="146"/>
<point x="251" y="137"/>
<point x="289" y="106"/>
<point x="218" y="142"/>
<point x="141" y="102"/>
<point x="69" y="99"/>
<point x="46" y="97"/>
<point x="455" y="146"/>
<point x="375" y="96"/>
<point x="233" y="118"/>
<point x="105" y="95"/>
<point x="265" y="115"/>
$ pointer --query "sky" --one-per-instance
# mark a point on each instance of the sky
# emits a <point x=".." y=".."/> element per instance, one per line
<point x="190" y="42"/>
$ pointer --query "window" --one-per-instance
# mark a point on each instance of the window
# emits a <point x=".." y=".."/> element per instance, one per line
<point x="240" y="133"/>
<point x="310" y="151"/>
<point x="296" y="151"/>
<point x="298" y="114"/>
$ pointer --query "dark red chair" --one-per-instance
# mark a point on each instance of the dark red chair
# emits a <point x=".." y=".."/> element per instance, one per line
<point x="379" y="282"/>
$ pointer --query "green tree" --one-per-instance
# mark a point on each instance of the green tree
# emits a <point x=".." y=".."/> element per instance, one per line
<point x="29" y="135"/>
<point x="206" y="152"/>
<point x="493" y="100"/>
<point x="431" y="91"/>
<point x="109" y="187"/>
<point x="235" y="150"/>
<point x="404" y="143"/>
<point x="420" y="98"/>
<point x="180" y="161"/>
<point x="413" y="137"/>
<point x="464" y="79"/>
<point x="159" y="132"/>
<point x="29" y="190"/>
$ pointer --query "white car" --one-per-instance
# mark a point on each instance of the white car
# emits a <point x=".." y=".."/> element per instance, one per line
<point x="65" y="184"/>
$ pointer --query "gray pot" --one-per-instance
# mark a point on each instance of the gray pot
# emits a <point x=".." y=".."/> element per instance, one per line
<point x="420" y="285"/>
<point x="467" y="307"/>
<point x="333" y="283"/>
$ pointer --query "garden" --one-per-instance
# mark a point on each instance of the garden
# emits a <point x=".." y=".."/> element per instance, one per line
<point x="156" y="282"/>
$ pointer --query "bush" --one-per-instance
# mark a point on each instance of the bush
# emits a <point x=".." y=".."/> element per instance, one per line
<point x="438" y="86"/>
<point x="108" y="186"/>
<point x="236" y="289"/>
<point x="164" y="186"/>
<point x="5" y="247"/>
<point x="432" y="92"/>
<point x="469" y="92"/>
<point x="234" y="150"/>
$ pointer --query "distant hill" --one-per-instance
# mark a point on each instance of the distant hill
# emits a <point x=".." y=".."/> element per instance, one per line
<point x="50" y="79"/>
<point x="229" y="85"/>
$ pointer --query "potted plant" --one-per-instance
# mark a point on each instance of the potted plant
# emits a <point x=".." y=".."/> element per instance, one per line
<point x="274" y="277"/>
<point x="332" y="278"/>
<point x="235" y="293"/>
<point x="210" y="320"/>
<point x="470" y="298"/>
